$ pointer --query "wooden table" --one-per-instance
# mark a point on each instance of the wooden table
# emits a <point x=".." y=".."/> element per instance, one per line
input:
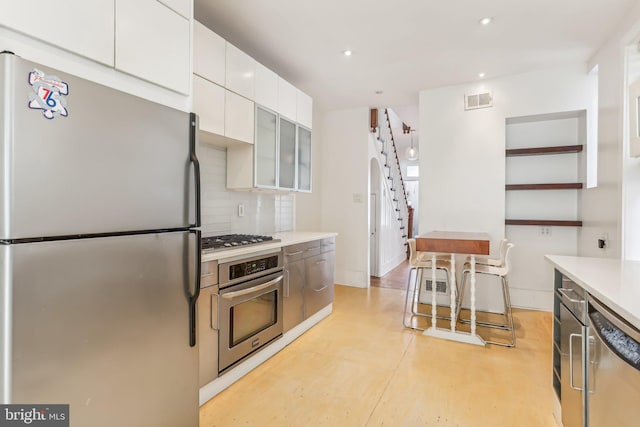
<point x="454" y="242"/>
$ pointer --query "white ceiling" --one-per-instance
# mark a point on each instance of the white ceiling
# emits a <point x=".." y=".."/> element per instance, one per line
<point x="404" y="46"/>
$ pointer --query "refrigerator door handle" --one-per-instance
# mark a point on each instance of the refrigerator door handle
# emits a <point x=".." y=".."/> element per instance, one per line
<point x="193" y="299"/>
<point x="193" y="140"/>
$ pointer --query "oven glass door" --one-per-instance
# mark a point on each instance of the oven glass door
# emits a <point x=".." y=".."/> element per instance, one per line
<point x="250" y="317"/>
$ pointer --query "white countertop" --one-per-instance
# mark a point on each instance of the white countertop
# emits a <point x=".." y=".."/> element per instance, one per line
<point x="286" y="239"/>
<point x="614" y="282"/>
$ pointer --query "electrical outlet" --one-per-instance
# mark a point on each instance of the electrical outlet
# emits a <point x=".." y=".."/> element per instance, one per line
<point x="545" y="231"/>
<point x="240" y="210"/>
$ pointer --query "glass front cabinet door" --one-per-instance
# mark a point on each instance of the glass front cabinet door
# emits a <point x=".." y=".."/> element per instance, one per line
<point x="266" y="148"/>
<point x="287" y="165"/>
<point x="304" y="159"/>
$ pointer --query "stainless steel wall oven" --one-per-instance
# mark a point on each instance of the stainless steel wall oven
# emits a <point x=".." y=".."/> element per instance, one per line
<point x="249" y="306"/>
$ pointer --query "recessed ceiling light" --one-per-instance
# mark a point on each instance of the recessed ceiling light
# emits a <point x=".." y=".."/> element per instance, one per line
<point x="486" y="21"/>
<point x="347" y="52"/>
<point x="481" y="75"/>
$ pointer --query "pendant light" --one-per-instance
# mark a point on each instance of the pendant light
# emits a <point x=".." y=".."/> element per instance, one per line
<point x="412" y="152"/>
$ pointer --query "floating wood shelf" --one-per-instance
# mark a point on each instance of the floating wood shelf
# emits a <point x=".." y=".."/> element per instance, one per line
<point x="544" y="150"/>
<point x="544" y="222"/>
<point x="554" y="186"/>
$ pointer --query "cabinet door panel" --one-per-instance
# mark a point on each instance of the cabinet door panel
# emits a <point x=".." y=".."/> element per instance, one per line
<point x="183" y="7"/>
<point x="208" y="103"/>
<point x="266" y="148"/>
<point x="304" y="109"/>
<point x="287" y="171"/>
<point x="152" y="42"/>
<point x="238" y="117"/>
<point x="240" y="72"/>
<point x="318" y="290"/>
<point x="82" y="27"/>
<point x="304" y="159"/>
<point x="293" y="300"/>
<point x="208" y="54"/>
<point x="287" y="99"/>
<point x="266" y="87"/>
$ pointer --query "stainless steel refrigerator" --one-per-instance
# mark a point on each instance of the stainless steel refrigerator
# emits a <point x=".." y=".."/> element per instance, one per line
<point x="99" y="251"/>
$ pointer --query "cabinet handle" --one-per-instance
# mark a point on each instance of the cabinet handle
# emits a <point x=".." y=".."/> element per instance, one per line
<point x="571" y="360"/>
<point x="322" y="261"/>
<point x="293" y="253"/>
<point x="215" y="299"/>
<point x="193" y="141"/>
<point x="286" y="285"/>
<point x="232" y="295"/>
<point x="565" y="293"/>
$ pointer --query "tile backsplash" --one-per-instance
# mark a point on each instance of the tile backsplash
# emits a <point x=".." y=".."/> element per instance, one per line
<point x="263" y="213"/>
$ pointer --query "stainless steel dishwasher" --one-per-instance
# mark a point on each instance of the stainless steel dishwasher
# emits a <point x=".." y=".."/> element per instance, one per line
<point x="614" y="369"/>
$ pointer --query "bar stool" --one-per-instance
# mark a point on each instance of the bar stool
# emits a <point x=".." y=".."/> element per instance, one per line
<point x="482" y="260"/>
<point x="419" y="262"/>
<point x="500" y="271"/>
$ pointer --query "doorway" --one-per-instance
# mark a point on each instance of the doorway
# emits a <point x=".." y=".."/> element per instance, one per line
<point x="374" y="218"/>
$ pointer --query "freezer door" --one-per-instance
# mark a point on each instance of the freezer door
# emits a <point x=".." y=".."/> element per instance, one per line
<point x="103" y="325"/>
<point x="114" y="163"/>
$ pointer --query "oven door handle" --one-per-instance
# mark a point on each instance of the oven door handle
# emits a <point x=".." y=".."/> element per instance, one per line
<point x="232" y="295"/>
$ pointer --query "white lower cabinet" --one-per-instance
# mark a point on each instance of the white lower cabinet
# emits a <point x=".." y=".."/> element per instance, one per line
<point x="153" y="42"/>
<point x="79" y="26"/>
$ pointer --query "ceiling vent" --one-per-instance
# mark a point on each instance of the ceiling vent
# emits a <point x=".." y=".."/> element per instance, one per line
<point x="478" y="100"/>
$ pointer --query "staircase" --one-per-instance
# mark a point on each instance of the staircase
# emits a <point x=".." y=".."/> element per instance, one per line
<point x="381" y="127"/>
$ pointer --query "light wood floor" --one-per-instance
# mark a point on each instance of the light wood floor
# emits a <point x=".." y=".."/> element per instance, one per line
<point x="361" y="367"/>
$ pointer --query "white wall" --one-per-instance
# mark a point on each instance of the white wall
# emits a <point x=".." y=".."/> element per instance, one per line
<point x="622" y="172"/>
<point x="308" y="205"/>
<point x="462" y="160"/>
<point x="344" y="180"/>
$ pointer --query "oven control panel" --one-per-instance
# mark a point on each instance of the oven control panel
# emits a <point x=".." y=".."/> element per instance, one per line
<point x="247" y="268"/>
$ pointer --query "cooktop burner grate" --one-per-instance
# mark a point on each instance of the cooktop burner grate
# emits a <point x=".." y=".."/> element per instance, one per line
<point x="230" y="241"/>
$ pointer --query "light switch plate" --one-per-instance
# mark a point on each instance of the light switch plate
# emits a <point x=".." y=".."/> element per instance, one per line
<point x="240" y="210"/>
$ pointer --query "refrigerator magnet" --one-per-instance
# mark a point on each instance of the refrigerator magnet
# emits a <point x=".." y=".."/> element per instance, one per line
<point x="48" y="92"/>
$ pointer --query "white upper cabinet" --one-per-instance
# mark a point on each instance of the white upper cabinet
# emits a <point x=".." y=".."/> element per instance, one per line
<point x="287" y="99"/>
<point x="239" y="116"/>
<point x="183" y="7"/>
<point x="80" y="26"/>
<point x="208" y="54"/>
<point x="266" y="87"/>
<point x="304" y="110"/>
<point x="240" y="72"/>
<point x="153" y="43"/>
<point x="208" y="104"/>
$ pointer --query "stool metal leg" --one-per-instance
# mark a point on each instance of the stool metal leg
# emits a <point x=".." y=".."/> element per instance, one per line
<point x="508" y="324"/>
<point x="406" y="300"/>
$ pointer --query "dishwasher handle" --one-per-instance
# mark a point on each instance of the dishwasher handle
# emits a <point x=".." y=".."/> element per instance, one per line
<point x="571" y="360"/>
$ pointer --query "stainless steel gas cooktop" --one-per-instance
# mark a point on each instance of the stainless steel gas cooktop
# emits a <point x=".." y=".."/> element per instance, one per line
<point x="231" y="241"/>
